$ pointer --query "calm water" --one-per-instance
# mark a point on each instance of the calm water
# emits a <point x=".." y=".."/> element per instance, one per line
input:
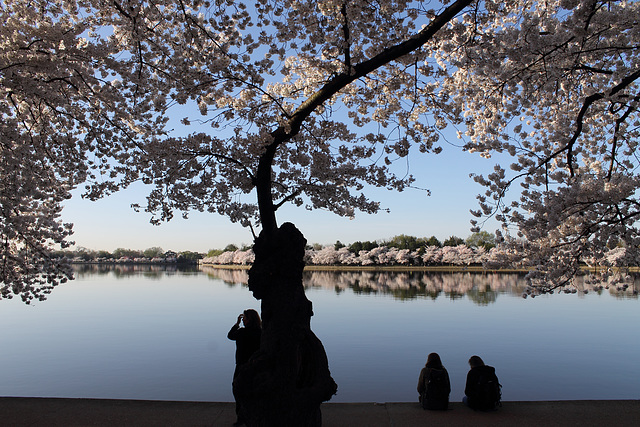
<point x="143" y="333"/>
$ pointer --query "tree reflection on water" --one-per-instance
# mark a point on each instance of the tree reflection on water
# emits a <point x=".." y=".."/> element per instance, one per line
<point x="481" y="288"/>
<point x="130" y="269"/>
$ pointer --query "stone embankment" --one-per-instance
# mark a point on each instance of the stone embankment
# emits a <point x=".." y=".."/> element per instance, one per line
<point x="36" y="412"/>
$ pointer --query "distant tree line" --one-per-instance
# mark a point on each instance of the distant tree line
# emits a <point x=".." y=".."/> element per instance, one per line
<point x="480" y="239"/>
<point x="400" y="250"/>
<point x="478" y="249"/>
<point x="157" y="254"/>
<point x="154" y="254"/>
<point x="228" y="248"/>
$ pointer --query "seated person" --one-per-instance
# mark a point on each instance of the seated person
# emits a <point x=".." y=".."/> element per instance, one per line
<point x="482" y="390"/>
<point x="434" y="386"/>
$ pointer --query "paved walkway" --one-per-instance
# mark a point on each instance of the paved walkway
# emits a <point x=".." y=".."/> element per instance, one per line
<point x="35" y="412"/>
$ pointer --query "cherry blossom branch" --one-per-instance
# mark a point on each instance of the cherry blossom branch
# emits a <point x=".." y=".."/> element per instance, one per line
<point x="583" y="111"/>
<point x="614" y="142"/>
<point x="287" y="198"/>
<point x="284" y="133"/>
<point x="225" y="158"/>
<point x="347" y="45"/>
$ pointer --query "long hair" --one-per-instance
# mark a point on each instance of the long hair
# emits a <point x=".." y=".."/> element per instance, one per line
<point x="252" y="319"/>
<point x="475" y="361"/>
<point x="433" y="361"/>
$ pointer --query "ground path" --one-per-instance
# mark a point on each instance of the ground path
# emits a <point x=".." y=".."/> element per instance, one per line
<point x="35" y="412"/>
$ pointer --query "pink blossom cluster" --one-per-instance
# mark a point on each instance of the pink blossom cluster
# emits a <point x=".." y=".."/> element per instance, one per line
<point x="237" y="257"/>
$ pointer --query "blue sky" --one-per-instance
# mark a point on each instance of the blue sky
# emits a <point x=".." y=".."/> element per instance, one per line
<point x="110" y="223"/>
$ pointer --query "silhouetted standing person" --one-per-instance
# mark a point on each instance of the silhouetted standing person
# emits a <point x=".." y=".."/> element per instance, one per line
<point x="247" y="342"/>
<point x="482" y="390"/>
<point x="434" y="386"/>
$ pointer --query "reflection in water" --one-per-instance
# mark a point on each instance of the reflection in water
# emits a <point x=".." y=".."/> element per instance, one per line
<point x="229" y="276"/>
<point x="409" y="285"/>
<point x="127" y="270"/>
<point x="481" y="288"/>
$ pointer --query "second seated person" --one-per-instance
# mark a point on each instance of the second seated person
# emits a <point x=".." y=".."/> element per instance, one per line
<point x="482" y="389"/>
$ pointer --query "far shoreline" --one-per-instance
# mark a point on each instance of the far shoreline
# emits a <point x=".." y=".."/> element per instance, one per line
<point x="415" y="268"/>
<point x="385" y="268"/>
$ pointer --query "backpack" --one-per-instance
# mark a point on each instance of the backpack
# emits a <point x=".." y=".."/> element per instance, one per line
<point x="436" y="395"/>
<point x="488" y="392"/>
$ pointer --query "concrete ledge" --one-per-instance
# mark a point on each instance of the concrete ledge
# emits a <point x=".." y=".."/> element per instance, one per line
<point x="53" y="412"/>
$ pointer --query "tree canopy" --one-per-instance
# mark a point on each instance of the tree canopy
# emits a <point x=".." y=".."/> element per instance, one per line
<point x="481" y="238"/>
<point x="238" y="107"/>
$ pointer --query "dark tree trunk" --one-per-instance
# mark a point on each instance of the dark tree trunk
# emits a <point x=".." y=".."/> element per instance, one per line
<point x="287" y="380"/>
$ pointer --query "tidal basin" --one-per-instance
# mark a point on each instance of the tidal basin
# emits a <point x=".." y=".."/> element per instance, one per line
<point x="143" y="332"/>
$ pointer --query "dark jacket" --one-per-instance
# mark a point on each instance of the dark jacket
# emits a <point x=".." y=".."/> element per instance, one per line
<point x="247" y="342"/>
<point x="471" y="390"/>
<point x="431" y="399"/>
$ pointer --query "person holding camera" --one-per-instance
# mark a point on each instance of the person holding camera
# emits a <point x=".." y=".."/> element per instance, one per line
<point x="247" y="340"/>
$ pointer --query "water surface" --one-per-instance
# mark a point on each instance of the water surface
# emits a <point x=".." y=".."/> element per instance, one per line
<point x="144" y="333"/>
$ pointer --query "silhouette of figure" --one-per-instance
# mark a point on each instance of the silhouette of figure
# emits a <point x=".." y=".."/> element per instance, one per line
<point x="434" y="386"/>
<point x="482" y="390"/>
<point x="247" y="342"/>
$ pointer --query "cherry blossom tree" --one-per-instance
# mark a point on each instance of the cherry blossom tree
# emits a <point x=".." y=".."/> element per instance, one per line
<point x="432" y="255"/>
<point x="326" y="256"/>
<point x="346" y="257"/>
<point x="61" y="118"/>
<point x="238" y="108"/>
<point x="554" y="84"/>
